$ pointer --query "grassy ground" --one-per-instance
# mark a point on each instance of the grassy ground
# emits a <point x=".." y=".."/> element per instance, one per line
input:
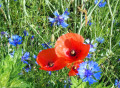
<point x="16" y="16"/>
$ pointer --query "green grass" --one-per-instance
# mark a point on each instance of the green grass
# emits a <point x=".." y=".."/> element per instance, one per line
<point x="32" y="15"/>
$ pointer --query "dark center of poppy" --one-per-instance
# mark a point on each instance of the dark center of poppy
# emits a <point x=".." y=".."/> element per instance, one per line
<point x="74" y="67"/>
<point x="72" y="53"/>
<point x="50" y="64"/>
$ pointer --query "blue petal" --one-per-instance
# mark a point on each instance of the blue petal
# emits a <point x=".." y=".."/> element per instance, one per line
<point x="66" y="12"/>
<point x="97" y="75"/>
<point x="65" y="17"/>
<point x="55" y="13"/>
<point x="64" y="25"/>
<point x="96" y="1"/>
<point x="25" y="62"/>
<point x="52" y="20"/>
<point x="87" y="41"/>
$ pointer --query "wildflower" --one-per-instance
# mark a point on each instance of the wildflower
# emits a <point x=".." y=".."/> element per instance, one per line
<point x="4" y="33"/>
<point x="25" y="57"/>
<point x="49" y="61"/>
<point x="27" y="68"/>
<point x="25" y="33"/>
<point x="119" y="43"/>
<point x="45" y="46"/>
<point x="71" y="47"/>
<point x="92" y="45"/>
<point x="60" y="19"/>
<point x="32" y="37"/>
<point x="117" y="83"/>
<point x="100" y="40"/>
<point x="90" y="23"/>
<point x="15" y="40"/>
<point x="73" y="68"/>
<point x="0" y="5"/>
<point x="49" y="72"/>
<point x="101" y="3"/>
<point x="89" y="71"/>
<point x="34" y="56"/>
<point x="89" y="56"/>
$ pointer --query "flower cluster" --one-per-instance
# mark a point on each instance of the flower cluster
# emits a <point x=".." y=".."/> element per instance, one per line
<point x="69" y="48"/>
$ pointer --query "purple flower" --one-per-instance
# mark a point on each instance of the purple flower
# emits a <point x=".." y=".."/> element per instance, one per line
<point x="60" y="19"/>
<point x="15" y="40"/>
<point x="101" y="3"/>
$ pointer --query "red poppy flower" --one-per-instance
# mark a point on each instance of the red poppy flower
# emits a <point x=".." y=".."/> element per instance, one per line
<point x="73" y="68"/>
<point x="72" y="49"/>
<point x="49" y="61"/>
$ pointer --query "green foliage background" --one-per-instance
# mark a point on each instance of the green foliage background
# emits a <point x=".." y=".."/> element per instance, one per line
<point x="32" y="15"/>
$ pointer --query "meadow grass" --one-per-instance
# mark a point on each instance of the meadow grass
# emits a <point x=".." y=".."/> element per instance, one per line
<point x="16" y="16"/>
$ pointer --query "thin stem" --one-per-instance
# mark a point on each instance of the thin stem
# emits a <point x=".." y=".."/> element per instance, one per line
<point x="75" y="16"/>
<point x="111" y="24"/>
<point x="88" y="17"/>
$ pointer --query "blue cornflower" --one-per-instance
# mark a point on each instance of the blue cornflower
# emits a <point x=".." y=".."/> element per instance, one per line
<point x="49" y="72"/>
<point x="101" y="3"/>
<point x="119" y="59"/>
<point x="0" y="5"/>
<point x="32" y="37"/>
<point x="15" y="40"/>
<point x="117" y="83"/>
<point x="45" y="46"/>
<point x="4" y="33"/>
<point x="60" y="19"/>
<point x="25" y="33"/>
<point x="34" y="56"/>
<point x="100" y="39"/>
<point x="90" y="23"/>
<point x="89" y="56"/>
<point x="92" y="45"/>
<point x="27" y="68"/>
<point x="25" y="57"/>
<point x="89" y="71"/>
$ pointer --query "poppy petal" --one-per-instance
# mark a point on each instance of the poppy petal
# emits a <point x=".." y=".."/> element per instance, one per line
<point x="64" y="50"/>
<point x="49" y="61"/>
<point x="73" y="68"/>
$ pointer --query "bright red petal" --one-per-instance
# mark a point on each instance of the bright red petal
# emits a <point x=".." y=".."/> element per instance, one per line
<point x="73" y="68"/>
<point x="47" y="57"/>
<point x="64" y="49"/>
